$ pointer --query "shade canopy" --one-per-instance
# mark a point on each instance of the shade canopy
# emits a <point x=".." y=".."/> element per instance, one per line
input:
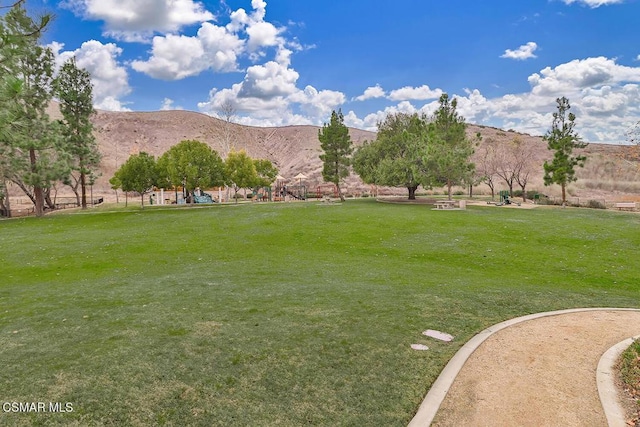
<point x="300" y="176"/>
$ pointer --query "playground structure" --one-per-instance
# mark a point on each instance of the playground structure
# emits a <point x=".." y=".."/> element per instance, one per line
<point x="298" y="192"/>
<point x="281" y="191"/>
<point x="263" y="194"/>
<point x="505" y="199"/>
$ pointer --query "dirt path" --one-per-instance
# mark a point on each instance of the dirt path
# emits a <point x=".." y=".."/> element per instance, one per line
<point x="540" y="372"/>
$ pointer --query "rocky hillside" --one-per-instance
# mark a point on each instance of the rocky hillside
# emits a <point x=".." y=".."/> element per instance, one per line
<point x="293" y="149"/>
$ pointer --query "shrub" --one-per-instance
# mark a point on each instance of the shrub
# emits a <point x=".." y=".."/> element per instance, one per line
<point x="531" y="194"/>
<point x="630" y="370"/>
<point x="458" y="193"/>
<point x="596" y="204"/>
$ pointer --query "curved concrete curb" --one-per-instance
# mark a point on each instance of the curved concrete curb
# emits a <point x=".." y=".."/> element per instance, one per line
<point x="607" y="390"/>
<point x="431" y="403"/>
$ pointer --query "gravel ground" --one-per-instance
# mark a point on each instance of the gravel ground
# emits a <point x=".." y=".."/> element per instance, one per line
<point x="538" y="373"/>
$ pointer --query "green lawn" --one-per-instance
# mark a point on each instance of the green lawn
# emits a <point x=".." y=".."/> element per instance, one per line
<point x="280" y="314"/>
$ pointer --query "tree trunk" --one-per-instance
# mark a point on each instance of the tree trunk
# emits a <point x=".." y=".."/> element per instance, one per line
<point x="493" y="191"/>
<point x="564" y="194"/>
<point x="449" y="185"/>
<point x="37" y="190"/>
<point x="340" y="192"/>
<point x="5" y="203"/>
<point x="412" y="192"/>
<point x="471" y="191"/>
<point x="83" y="187"/>
<point x="47" y="199"/>
<point x="142" y="200"/>
<point x="524" y="193"/>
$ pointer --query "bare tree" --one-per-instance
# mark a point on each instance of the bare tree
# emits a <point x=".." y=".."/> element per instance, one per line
<point x="505" y="164"/>
<point x="227" y="112"/>
<point x="486" y="171"/>
<point x="523" y="155"/>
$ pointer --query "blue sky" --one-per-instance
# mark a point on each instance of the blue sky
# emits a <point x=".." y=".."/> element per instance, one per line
<point x="284" y="62"/>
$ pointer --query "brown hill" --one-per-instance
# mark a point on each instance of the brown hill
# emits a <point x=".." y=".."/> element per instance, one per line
<point x="296" y="149"/>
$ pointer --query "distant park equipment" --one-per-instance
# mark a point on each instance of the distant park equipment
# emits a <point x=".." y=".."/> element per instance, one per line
<point x="283" y="190"/>
<point x="505" y="199"/>
<point x="298" y="192"/>
<point x="203" y="198"/>
<point x="261" y="194"/>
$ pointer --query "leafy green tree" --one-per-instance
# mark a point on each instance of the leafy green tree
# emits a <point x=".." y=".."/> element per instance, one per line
<point x="192" y="164"/>
<point x="336" y="144"/>
<point x="562" y="139"/>
<point x="396" y="157"/>
<point x="139" y="173"/>
<point x="240" y="171"/>
<point x="74" y="90"/>
<point x="450" y="150"/>
<point x="266" y="173"/>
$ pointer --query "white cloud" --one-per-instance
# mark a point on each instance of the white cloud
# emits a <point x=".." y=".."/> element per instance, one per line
<point x="167" y="105"/>
<point x="523" y="52"/>
<point x="317" y="104"/>
<point x="175" y="57"/>
<point x="351" y="119"/>
<point x="414" y="93"/>
<point x="604" y="95"/>
<point x="268" y="96"/>
<point x="217" y="48"/>
<point x="579" y="74"/>
<point x="138" y="20"/>
<point x="268" y="81"/>
<point x="110" y="79"/>
<point x="261" y="34"/>
<point x="593" y="3"/>
<point x="371" y="92"/>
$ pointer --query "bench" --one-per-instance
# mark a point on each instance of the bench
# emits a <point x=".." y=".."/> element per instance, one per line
<point x="445" y="204"/>
<point x="626" y="205"/>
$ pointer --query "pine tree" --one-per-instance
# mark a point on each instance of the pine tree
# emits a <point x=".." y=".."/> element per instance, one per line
<point x="450" y="150"/>
<point x="74" y="90"/>
<point x="18" y="33"/>
<point x="563" y="139"/>
<point x="38" y="159"/>
<point x="336" y="144"/>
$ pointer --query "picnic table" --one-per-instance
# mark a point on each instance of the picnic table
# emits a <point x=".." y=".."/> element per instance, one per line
<point x="445" y="204"/>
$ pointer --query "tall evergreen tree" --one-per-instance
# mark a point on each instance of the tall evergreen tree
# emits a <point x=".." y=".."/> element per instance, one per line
<point x="336" y="144"/>
<point x="74" y="90"/>
<point x="563" y="139"/>
<point x="38" y="160"/>
<point x="17" y="35"/>
<point x="450" y="150"/>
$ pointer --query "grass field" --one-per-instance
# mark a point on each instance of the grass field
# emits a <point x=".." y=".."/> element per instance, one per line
<point x="280" y="314"/>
